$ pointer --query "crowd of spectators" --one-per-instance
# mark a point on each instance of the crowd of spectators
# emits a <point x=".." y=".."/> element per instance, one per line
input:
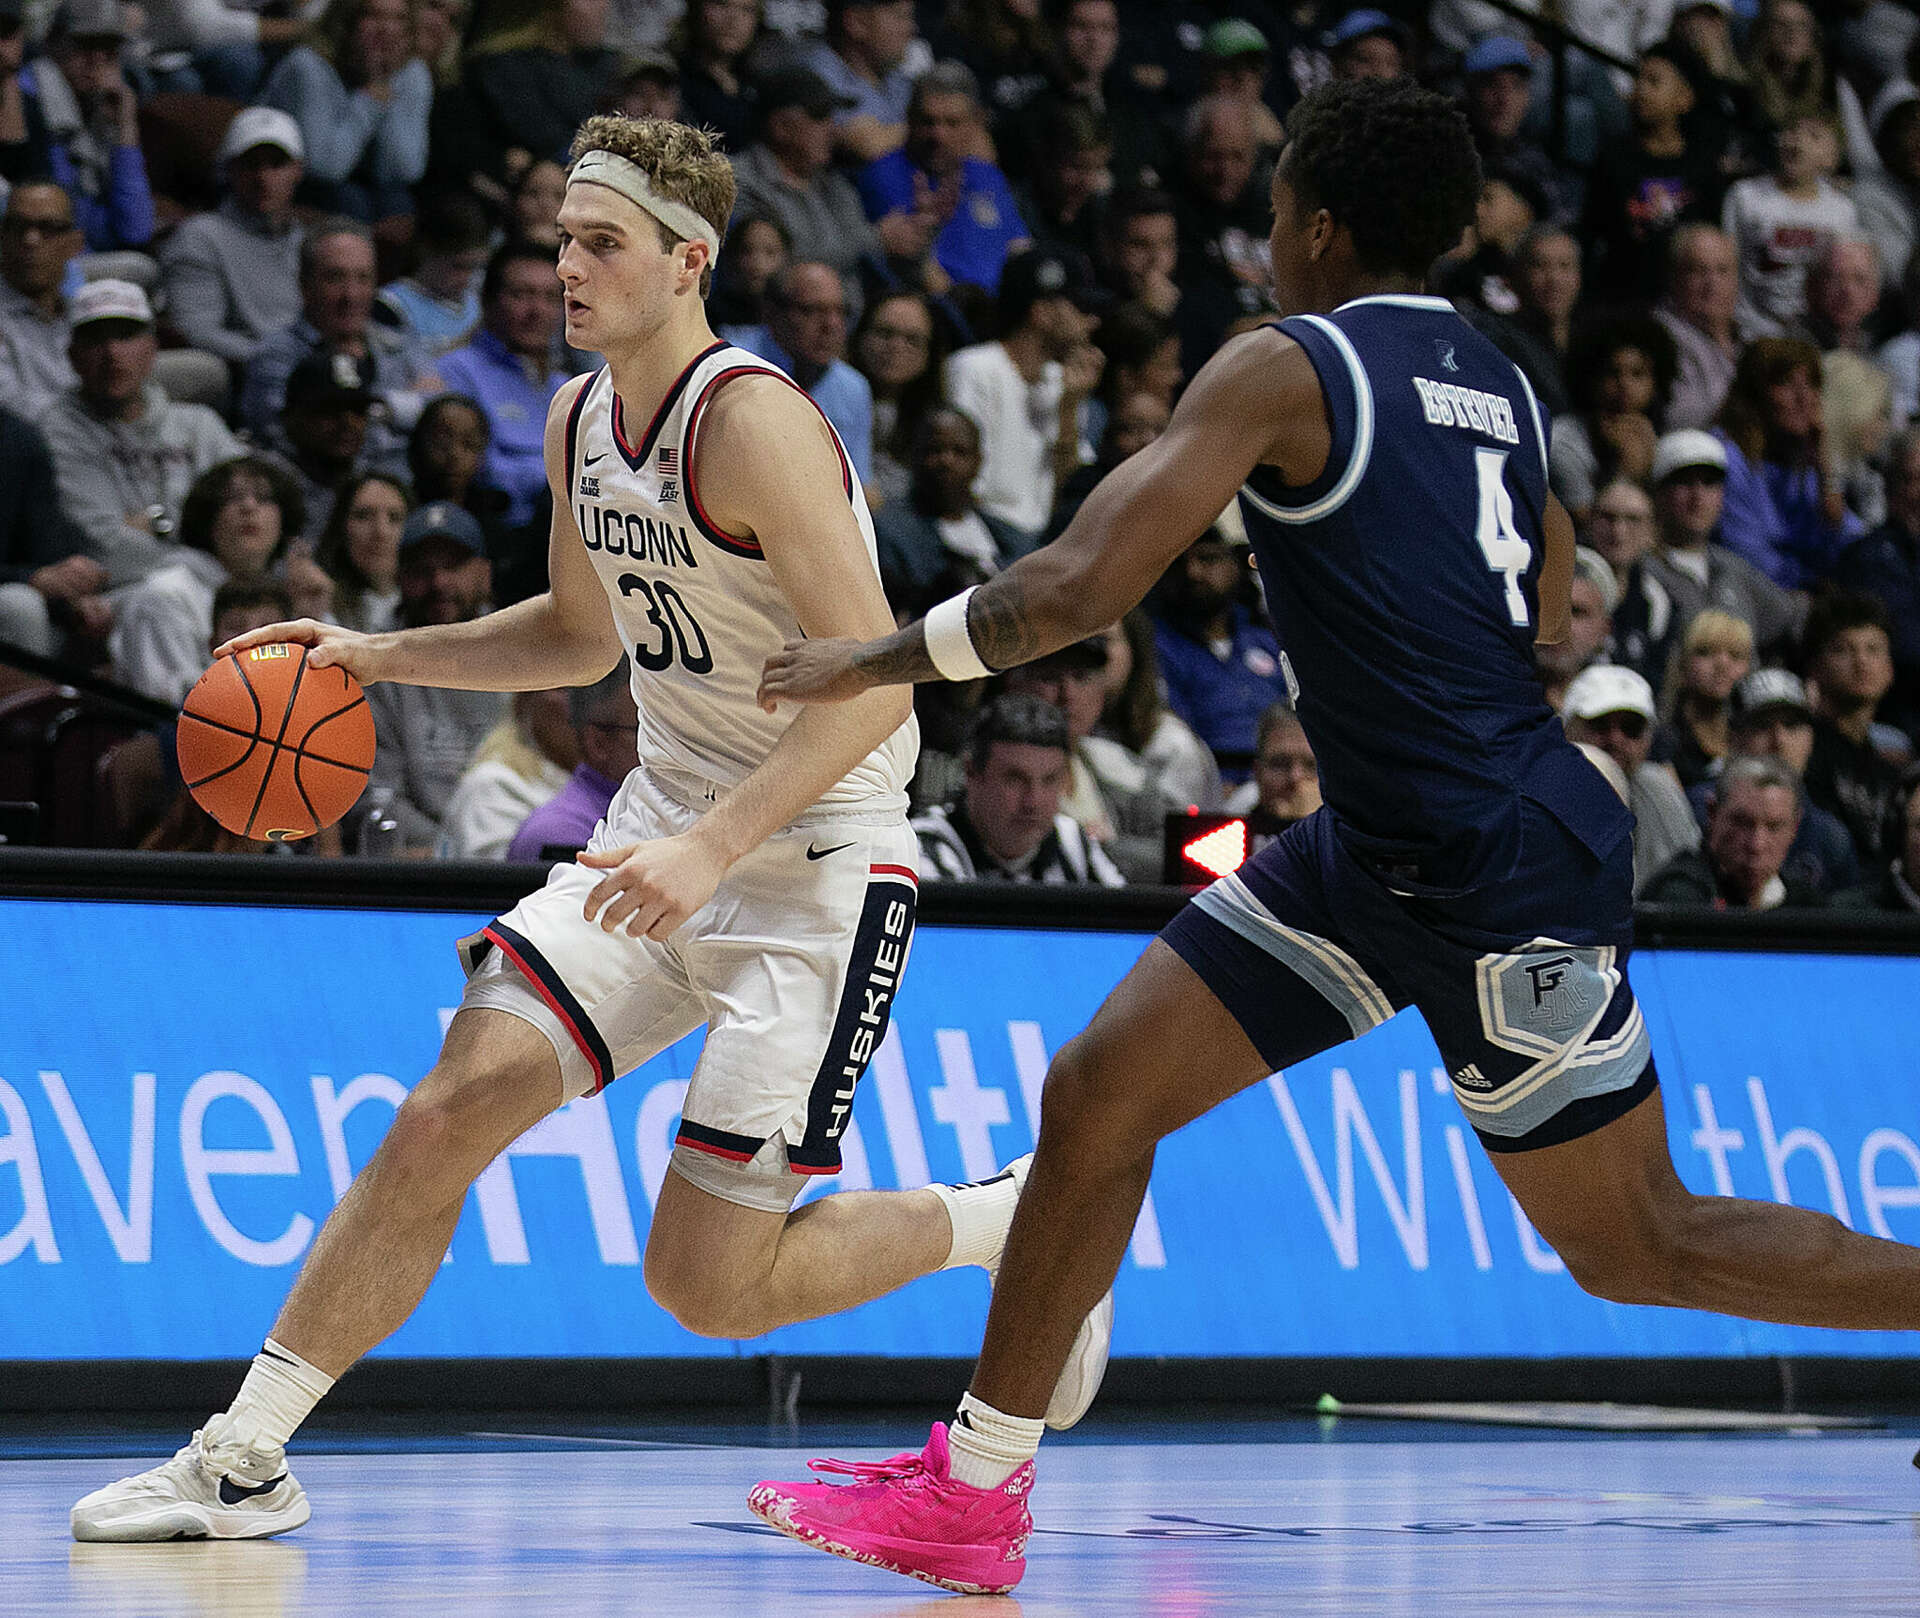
<point x="278" y="324"/>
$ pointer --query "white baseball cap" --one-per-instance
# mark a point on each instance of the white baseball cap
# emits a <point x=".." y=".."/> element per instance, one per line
<point x="1690" y="446"/>
<point x="1608" y="688"/>
<point x="261" y="126"/>
<point x="109" y="300"/>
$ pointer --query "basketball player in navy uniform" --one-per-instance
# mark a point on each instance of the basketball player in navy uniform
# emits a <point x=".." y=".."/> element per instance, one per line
<point x="755" y="873"/>
<point x="1469" y="862"/>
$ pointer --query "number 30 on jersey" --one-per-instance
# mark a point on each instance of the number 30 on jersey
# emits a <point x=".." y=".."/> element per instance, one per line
<point x="679" y="631"/>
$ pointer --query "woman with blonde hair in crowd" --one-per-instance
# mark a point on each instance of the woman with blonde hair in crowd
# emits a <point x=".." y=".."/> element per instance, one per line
<point x="1857" y="397"/>
<point x="360" y="550"/>
<point x="1714" y="655"/>
<point x="1785" y="510"/>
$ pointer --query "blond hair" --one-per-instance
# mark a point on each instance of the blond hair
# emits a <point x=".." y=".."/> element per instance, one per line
<point x="683" y="164"/>
<point x="1709" y="627"/>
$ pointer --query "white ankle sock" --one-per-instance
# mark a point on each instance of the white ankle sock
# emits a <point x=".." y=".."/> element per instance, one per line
<point x="980" y="1215"/>
<point x="279" y="1393"/>
<point x="985" y="1446"/>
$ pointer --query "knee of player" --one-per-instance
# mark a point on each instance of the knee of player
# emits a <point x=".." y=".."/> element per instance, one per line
<point x="1088" y="1104"/>
<point x="706" y="1305"/>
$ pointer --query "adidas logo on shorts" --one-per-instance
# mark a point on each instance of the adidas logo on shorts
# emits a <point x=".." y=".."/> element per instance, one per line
<point x="1471" y="1078"/>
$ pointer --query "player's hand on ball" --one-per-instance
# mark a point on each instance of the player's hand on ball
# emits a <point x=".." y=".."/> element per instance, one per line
<point x="812" y="671"/>
<point x="651" y="888"/>
<point x="331" y="646"/>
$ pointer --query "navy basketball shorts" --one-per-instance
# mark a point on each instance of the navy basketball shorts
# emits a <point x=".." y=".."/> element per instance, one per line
<point x="1523" y="984"/>
<point x="792" y="966"/>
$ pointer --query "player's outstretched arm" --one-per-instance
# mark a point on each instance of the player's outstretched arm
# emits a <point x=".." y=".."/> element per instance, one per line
<point x="767" y="470"/>
<point x="1257" y="400"/>
<point x="564" y="637"/>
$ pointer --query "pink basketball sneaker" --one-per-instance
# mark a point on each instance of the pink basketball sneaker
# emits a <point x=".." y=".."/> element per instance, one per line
<point x="909" y="1515"/>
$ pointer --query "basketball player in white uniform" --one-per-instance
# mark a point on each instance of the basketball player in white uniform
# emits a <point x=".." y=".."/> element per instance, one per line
<point x="755" y="873"/>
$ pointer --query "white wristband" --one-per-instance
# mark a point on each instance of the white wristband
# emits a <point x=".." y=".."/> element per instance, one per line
<point x="949" y="644"/>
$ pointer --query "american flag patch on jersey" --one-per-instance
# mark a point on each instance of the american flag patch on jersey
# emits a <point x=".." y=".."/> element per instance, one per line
<point x="669" y="462"/>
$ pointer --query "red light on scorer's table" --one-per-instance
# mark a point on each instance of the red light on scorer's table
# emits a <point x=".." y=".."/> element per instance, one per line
<point x="1221" y="850"/>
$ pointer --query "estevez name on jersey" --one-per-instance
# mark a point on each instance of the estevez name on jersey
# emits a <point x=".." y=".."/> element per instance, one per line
<point x="627" y="533"/>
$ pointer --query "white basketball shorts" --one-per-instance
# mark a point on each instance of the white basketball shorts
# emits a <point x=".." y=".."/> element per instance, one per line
<point x="792" y="965"/>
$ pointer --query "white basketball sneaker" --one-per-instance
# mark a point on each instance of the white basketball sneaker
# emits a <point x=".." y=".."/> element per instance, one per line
<point x="1086" y="1365"/>
<point x="213" y="1488"/>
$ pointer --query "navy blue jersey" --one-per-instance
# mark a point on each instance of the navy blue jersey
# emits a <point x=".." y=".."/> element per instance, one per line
<point x="1402" y="582"/>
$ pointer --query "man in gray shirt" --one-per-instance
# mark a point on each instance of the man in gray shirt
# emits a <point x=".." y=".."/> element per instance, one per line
<point x="1611" y="708"/>
<point x="1688" y="570"/>
<point x="124" y="454"/>
<point x="428" y="734"/>
<point x="38" y="239"/>
<point x="233" y="277"/>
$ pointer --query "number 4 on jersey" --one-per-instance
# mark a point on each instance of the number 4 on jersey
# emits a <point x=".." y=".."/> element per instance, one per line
<point x="1507" y="553"/>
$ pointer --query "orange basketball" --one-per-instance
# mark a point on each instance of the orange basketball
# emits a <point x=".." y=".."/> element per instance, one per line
<point x="272" y="747"/>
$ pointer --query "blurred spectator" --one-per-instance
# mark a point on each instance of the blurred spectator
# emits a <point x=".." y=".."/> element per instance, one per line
<point x="1112" y="794"/>
<point x="1136" y="717"/>
<point x="38" y="240"/>
<point x="1783" y="222"/>
<point x="508" y="368"/>
<point x="324" y="426"/>
<point x="965" y="200"/>
<point x="1142" y="352"/>
<point x="528" y="86"/>
<point x="1643" y="187"/>
<point x="1784" y="511"/>
<point x="1886" y="566"/>
<point x="226" y="46"/>
<point x="1368" y="44"/>
<point x="1770" y="718"/>
<point x="716" y="91"/>
<point x="438" y="305"/>
<point x="1222" y="667"/>
<point x="527" y="758"/>
<point x="234" y="525"/>
<point x="789" y="176"/>
<point x="1238" y="56"/>
<point x="1842" y="292"/>
<point x="1849" y="662"/>
<point x="864" y="60"/>
<point x="47" y="587"/>
<point x="1715" y="655"/>
<point x="1004" y="44"/>
<point x="90" y="118"/>
<point x="1756" y="812"/>
<point x="427" y="734"/>
<point x="124" y="453"/>
<point x="1224" y="218"/>
<point x="1140" y="249"/>
<point x="360" y="551"/>
<point x="645" y="85"/>
<point x="448" y="448"/>
<point x="607" y="724"/>
<point x="1901" y="890"/>
<point x="1620" y="371"/>
<point x="1069" y="175"/>
<point x="1787" y="67"/>
<point x="1701" y="314"/>
<point x="1546" y="287"/>
<point x="1856" y="403"/>
<point x="233" y="276"/>
<point x="1620" y="529"/>
<point x="1498" y="74"/>
<point x="1612" y="709"/>
<point x="438" y="27"/>
<point x="1593" y="595"/>
<point x="362" y="100"/>
<point x="1132" y="424"/>
<point x="1688" y="570"/>
<point x="1889" y="200"/>
<point x="1727" y="113"/>
<point x="1084" y="73"/>
<point x="533" y="203"/>
<point x="900" y="348"/>
<point x="806" y="336"/>
<point x="1007" y="825"/>
<point x="1285" y="784"/>
<point x="1025" y="390"/>
<point x="757" y="250"/>
<point x="939" y="541"/>
<point x="1899" y="357"/>
<point x="336" y="289"/>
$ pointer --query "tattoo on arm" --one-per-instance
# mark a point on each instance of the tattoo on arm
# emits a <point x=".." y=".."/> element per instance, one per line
<point x="900" y="659"/>
<point x="998" y="620"/>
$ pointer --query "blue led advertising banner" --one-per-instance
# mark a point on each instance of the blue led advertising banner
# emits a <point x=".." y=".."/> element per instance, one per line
<point x="186" y="1090"/>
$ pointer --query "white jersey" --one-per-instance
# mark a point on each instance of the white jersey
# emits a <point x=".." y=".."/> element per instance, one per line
<point x="699" y="611"/>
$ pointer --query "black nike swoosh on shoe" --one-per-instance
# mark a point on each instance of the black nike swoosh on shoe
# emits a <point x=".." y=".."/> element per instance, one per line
<point x="821" y="853"/>
<point x="233" y="1494"/>
<point x="594" y="460"/>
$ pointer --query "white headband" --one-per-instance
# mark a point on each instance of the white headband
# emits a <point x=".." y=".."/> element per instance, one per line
<point x="623" y="175"/>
